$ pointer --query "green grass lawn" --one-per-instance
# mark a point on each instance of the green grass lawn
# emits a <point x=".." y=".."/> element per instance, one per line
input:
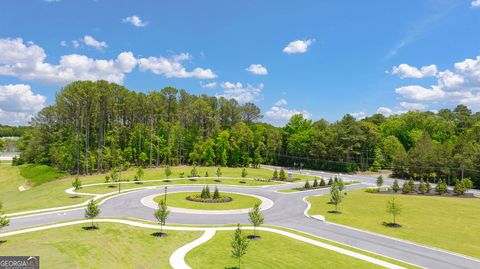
<point x="272" y="251"/>
<point x="37" y="174"/>
<point x="111" y="246"/>
<point x="52" y="193"/>
<point x="445" y="222"/>
<point x="239" y="201"/>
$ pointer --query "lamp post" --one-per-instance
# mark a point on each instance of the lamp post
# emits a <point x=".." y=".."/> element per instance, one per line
<point x="165" y="199"/>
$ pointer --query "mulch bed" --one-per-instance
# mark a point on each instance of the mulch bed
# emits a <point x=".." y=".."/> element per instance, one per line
<point x="222" y="199"/>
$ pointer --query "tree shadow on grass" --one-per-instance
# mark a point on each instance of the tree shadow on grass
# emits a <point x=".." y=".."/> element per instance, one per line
<point x="254" y="237"/>
<point x="90" y="228"/>
<point x="3" y="242"/>
<point x="75" y="196"/>
<point x="334" y="212"/>
<point x="159" y="234"/>
<point x="391" y="224"/>
<point x="112" y="186"/>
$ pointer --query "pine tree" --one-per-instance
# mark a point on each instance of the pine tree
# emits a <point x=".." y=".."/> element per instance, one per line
<point x="244" y="173"/>
<point x="441" y="187"/>
<point x="219" y="172"/>
<point x="315" y="183"/>
<point x="412" y="185"/>
<point x="206" y="174"/>
<point x="216" y="193"/>
<point x="307" y="185"/>
<point x="322" y="182"/>
<point x="283" y="176"/>
<point x="459" y="188"/>
<point x="330" y="182"/>
<point x="207" y="192"/>
<point x="275" y="175"/>
<point x="422" y="188"/>
<point x="379" y="181"/>
<point x="406" y="187"/>
<point x="168" y="171"/>
<point x="395" y="186"/>
<point x="193" y="172"/>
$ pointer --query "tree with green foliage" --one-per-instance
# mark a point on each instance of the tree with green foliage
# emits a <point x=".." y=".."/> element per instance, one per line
<point x="207" y="192"/>
<point x="307" y="185"/>
<point x="406" y="188"/>
<point x="4" y="221"/>
<point x="422" y="187"/>
<point x="322" y="182"/>
<point x="92" y="211"/>
<point x="394" y="209"/>
<point x="459" y="188"/>
<point x="441" y="187"/>
<point x="138" y="175"/>
<point x="428" y="186"/>
<point x="107" y="178"/>
<point x="330" y="182"/>
<point x="467" y="183"/>
<point x="379" y="181"/>
<point x="315" y="183"/>
<point x="194" y="172"/>
<point x="340" y="184"/>
<point x="206" y="174"/>
<point x="395" y="186"/>
<point x="282" y="175"/>
<point x="244" y="173"/>
<point x="256" y="218"/>
<point x="275" y="174"/>
<point x="219" y="172"/>
<point x="77" y="183"/>
<point x="168" y="171"/>
<point x="411" y="185"/>
<point x="161" y="214"/>
<point x="335" y="197"/>
<point x="216" y="193"/>
<point x="239" y="245"/>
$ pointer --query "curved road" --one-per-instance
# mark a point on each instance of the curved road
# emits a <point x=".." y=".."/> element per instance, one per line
<point x="287" y="211"/>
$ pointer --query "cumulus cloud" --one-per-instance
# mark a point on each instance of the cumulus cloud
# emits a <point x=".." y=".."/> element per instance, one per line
<point x="63" y="43"/>
<point x="278" y="115"/>
<point x="92" y="42"/>
<point x="475" y="3"/>
<point x="281" y="102"/>
<point x="209" y="85"/>
<point x="388" y="111"/>
<point x="135" y="21"/>
<point x="298" y="46"/>
<point x="18" y="104"/>
<point x="359" y="115"/>
<point x="257" y="69"/>
<point x="459" y="85"/>
<point x="241" y="93"/>
<point x="172" y="67"/>
<point x="27" y="61"/>
<point x="413" y="106"/>
<point x="407" y="71"/>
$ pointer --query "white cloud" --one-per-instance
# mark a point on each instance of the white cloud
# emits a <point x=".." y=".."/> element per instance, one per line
<point x="75" y="43"/>
<point x="420" y="93"/>
<point x="209" y="85"/>
<point x="172" y="67"/>
<point x="241" y="93"/>
<point x="359" y="115"/>
<point x="281" y="102"/>
<point x="63" y="43"/>
<point x="413" y="106"/>
<point x="298" y="46"/>
<point x="407" y="71"/>
<point x="388" y="111"/>
<point x="27" y="61"/>
<point x="257" y="69"/>
<point x="279" y="115"/>
<point x="135" y="21"/>
<point x="462" y="85"/>
<point x="92" y="42"/>
<point x="18" y="104"/>
<point x="475" y="3"/>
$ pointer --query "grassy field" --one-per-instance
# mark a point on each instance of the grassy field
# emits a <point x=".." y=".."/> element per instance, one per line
<point x="239" y="201"/>
<point x="445" y="222"/>
<point x="73" y="247"/>
<point x="52" y="193"/>
<point x="272" y="251"/>
<point x="37" y="174"/>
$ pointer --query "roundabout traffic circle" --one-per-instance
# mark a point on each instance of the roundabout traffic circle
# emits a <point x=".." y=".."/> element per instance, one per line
<point x="231" y="203"/>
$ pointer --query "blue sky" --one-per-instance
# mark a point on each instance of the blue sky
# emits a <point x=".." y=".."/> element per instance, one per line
<point x="319" y="58"/>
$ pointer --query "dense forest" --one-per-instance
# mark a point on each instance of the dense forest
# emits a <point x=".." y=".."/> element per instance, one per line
<point x="97" y="126"/>
<point x="12" y="131"/>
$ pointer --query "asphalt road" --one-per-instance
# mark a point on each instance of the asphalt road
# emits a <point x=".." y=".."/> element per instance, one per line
<point x="287" y="211"/>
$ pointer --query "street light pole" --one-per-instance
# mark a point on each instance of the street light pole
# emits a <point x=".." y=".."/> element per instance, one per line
<point x="165" y="199"/>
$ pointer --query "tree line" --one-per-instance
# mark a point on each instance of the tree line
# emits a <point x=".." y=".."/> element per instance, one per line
<point x="97" y="126"/>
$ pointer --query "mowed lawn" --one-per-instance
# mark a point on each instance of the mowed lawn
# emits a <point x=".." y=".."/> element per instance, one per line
<point x="52" y="193"/>
<point x="178" y="199"/>
<point x="449" y="223"/>
<point x="111" y="246"/>
<point x="272" y="251"/>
